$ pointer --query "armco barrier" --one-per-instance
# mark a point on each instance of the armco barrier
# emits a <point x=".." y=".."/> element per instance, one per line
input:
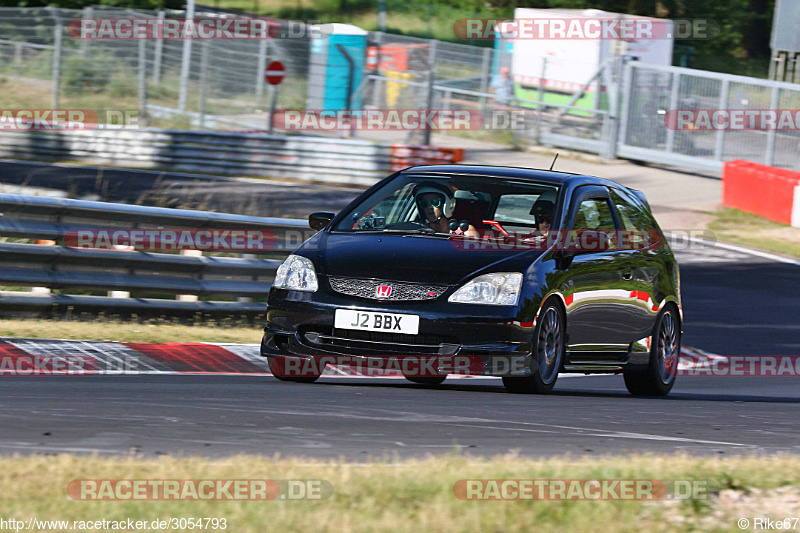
<point x="150" y="274"/>
<point x="315" y="158"/>
<point x="770" y="192"/>
<point x="406" y="155"/>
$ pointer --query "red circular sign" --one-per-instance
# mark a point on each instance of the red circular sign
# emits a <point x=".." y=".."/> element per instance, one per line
<point x="274" y="73"/>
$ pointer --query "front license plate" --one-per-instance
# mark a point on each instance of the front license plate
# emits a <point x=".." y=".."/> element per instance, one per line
<point x="370" y="321"/>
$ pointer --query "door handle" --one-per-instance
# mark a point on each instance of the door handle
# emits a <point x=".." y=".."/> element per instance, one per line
<point x="627" y="276"/>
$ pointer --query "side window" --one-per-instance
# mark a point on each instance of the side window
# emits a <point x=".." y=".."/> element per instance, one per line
<point x="633" y="218"/>
<point x="515" y="209"/>
<point x="594" y="214"/>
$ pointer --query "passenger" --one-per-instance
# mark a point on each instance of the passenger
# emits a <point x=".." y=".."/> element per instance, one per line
<point x="544" y="212"/>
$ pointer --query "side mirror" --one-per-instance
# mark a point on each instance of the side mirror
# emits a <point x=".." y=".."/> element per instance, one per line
<point x="320" y="219"/>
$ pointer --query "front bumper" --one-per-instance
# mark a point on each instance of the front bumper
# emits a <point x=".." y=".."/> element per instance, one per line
<point x="471" y="339"/>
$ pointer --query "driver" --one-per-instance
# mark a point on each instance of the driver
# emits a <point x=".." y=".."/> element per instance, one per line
<point x="436" y="203"/>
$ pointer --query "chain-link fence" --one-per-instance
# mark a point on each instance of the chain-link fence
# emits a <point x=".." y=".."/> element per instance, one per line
<point x="651" y="130"/>
<point x="219" y="84"/>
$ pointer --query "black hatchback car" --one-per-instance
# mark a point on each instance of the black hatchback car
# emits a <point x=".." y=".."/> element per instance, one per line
<point x="510" y="272"/>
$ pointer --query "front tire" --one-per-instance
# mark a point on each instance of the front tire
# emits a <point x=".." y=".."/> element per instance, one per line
<point x="548" y="349"/>
<point x="659" y="378"/>
<point x="277" y="365"/>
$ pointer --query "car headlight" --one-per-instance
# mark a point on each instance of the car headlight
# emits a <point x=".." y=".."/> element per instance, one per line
<point x="296" y="274"/>
<point x="501" y="288"/>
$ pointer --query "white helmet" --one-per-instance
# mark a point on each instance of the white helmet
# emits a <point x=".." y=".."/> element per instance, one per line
<point x="429" y="187"/>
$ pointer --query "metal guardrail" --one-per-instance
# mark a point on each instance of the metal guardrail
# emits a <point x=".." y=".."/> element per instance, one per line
<point x="62" y="267"/>
<point x="316" y="158"/>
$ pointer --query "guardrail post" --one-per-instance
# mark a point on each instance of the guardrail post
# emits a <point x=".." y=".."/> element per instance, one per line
<point x="159" y="52"/>
<point x="189" y="297"/>
<point x="56" y="65"/>
<point x="245" y="299"/>
<point x="119" y="294"/>
<point x="42" y="290"/>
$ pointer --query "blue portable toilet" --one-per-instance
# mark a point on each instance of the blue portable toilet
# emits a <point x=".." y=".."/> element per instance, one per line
<point x="329" y="69"/>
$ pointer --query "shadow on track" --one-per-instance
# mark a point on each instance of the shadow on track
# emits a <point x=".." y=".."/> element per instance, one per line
<point x="604" y="393"/>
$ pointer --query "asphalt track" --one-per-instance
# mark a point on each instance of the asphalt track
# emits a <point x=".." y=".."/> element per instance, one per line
<point x="735" y="303"/>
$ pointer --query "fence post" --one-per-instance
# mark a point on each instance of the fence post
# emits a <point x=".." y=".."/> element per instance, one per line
<point x="262" y="65"/>
<point x="486" y="74"/>
<point x="142" y="79"/>
<point x="377" y="85"/>
<point x="723" y="104"/>
<point x="381" y="15"/>
<point x="618" y="65"/>
<point x="625" y="100"/>
<point x="426" y="138"/>
<point x="88" y="11"/>
<point x="203" y="83"/>
<point x="56" y="65"/>
<point x="540" y="103"/>
<point x="159" y="52"/>
<point x="673" y="106"/>
<point x="17" y="58"/>
<point x="769" y="157"/>
<point x="186" y="60"/>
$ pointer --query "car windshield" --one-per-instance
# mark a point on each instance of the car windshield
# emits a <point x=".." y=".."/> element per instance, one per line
<point x="446" y="205"/>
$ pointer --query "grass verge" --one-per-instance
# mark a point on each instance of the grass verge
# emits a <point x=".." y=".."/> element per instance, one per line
<point x="416" y="494"/>
<point x="737" y="227"/>
<point x="107" y="330"/>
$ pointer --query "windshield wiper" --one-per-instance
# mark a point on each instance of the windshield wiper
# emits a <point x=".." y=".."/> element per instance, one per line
<point x="415" y="231"/>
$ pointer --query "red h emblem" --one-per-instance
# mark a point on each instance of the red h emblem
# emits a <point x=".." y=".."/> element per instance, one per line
<point x="383" y="291"/>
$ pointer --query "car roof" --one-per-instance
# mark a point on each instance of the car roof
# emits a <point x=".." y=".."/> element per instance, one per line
<point x="566" y="178"/>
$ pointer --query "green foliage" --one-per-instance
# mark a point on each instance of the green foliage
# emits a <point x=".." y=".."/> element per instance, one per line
<point x="92" y="74"/>
<point x="78" y="4"/>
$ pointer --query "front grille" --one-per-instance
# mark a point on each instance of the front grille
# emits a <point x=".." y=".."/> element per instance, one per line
<point x="401" y="291"/>
<point x="376" y="343"/>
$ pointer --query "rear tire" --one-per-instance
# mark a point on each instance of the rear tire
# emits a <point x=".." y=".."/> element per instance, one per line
<point x="277" y="365"/>
<point x="659" y="378"/>
<point x="432" y="380"/>
<point x="546" y="356"/>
